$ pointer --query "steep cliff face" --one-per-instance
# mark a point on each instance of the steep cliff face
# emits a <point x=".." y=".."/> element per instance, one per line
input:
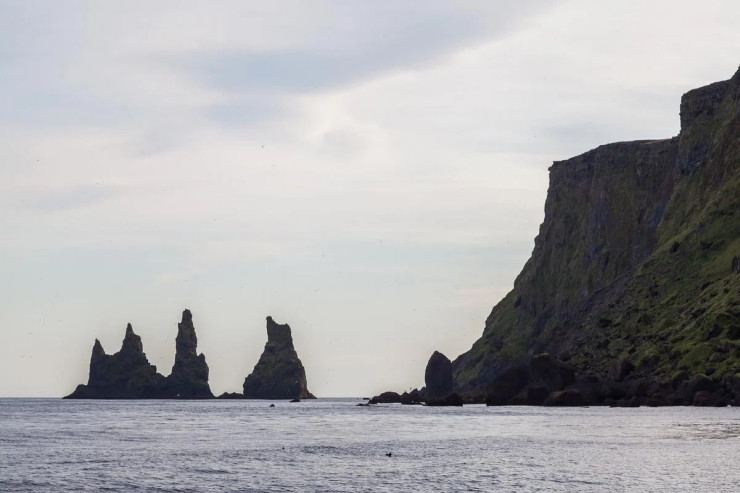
<point x="278" y="374"/>
<point x="438" y="376"/>
<point x="126" y="374"/>
<point x="633" y="262"/>
<point x="189" y="377"/>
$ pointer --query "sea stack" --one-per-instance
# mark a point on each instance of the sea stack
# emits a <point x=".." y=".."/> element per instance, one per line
<point x="126" y="374"/>
<point x="438" y="380"/>
<point x="189" y="377"/>
<point x="438" y="376"/>
<point x="279" y="373"/>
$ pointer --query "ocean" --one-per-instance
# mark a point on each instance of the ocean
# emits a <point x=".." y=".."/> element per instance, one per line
<point x="333" y="445"/>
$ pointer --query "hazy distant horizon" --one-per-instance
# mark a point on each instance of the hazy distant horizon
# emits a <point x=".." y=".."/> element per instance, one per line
<point x="372" y="174"/>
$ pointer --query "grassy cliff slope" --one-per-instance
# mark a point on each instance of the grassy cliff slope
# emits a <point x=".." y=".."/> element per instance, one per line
<point x="636" y="261"/>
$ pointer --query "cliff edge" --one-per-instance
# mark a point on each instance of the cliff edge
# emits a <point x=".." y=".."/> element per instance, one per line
<point x="634" y="280"/>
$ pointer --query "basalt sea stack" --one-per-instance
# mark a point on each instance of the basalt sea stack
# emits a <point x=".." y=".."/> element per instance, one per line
<point x="279" y="374"/>
<point x="189" y="377"/>
<point x="438" y="379"/>
<point x="126" y="374"/>
<point x="632" y="293"/>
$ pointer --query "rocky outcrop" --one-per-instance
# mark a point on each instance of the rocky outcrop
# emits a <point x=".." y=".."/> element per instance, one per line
<point x="632" y="281"/>
<point x="279" y="374"/>
<point x="388" y="397"/>
<point x="438" y="376"/>
<point x="126" y="374"/>
<point x="532" y="383"/>
<point x="189" y="377"/>
<point x="438" y="379"/>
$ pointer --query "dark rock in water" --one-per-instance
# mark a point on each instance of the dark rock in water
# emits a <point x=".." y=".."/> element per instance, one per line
<point x="231" y="395"/>
<point x="507" y="386"/>
<point x="687" y="390"/>
<point x="474" y="397"/>
<point x="272" y="405"/>
<point x="453" y="399"/>
<point x="565" y="398"/>
<point x="295" y="400"/>
<point x="386" y="398"/>
<point x="530" y="396"/>
<point x="126" y="374"/>
<point x="189" y="377"/>
<point x="278" y="374"/>
<point x="531" y="383"/>
<point x="702" y="398"/>
<point x="416" y="396"/>
<point x="438" y="376"/>
<point x="633" y="401"/>
<point x="705" y="398"/>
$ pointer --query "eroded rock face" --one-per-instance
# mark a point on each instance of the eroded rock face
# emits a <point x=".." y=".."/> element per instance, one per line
<point x="189" y="377"/>
<point x="126" y="374"/>
<point x="279" y="373"/>
<point x="631" y="278"/>
<point x="438" y="376"/>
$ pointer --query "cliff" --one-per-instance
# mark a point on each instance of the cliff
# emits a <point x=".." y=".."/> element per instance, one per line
<point x="278" y="374"/>
<point x="633" y="280"/>
<point x="127" y="374"/>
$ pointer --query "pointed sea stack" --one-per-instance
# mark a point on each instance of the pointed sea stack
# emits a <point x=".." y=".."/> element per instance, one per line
<point x="126" y="374"/>
<point x="278" y="374"/>
<point x="438" y="379"/>
<point x="189" y="377"/>
<point x="438" y="376"/>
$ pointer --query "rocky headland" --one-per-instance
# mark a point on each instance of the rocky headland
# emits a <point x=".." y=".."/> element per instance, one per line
<point x="632" y="293"/>
<point x="279" y="373"/>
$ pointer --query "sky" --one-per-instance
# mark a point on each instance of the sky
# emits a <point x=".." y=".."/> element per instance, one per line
<point x="371" y="173"/>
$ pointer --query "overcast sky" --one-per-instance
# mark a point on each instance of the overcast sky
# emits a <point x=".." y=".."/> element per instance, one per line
<point x="372" y="173"/>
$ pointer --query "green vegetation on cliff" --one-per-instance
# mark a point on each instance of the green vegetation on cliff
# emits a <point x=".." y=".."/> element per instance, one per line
<point x="636" y="260"/>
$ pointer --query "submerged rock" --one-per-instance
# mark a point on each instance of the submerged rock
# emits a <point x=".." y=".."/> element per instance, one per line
<point x="126" y="374"/>
<point x="279" y="373"/>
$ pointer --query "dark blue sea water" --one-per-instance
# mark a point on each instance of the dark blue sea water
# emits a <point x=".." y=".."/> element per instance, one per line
<point x="332" y="445"/>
